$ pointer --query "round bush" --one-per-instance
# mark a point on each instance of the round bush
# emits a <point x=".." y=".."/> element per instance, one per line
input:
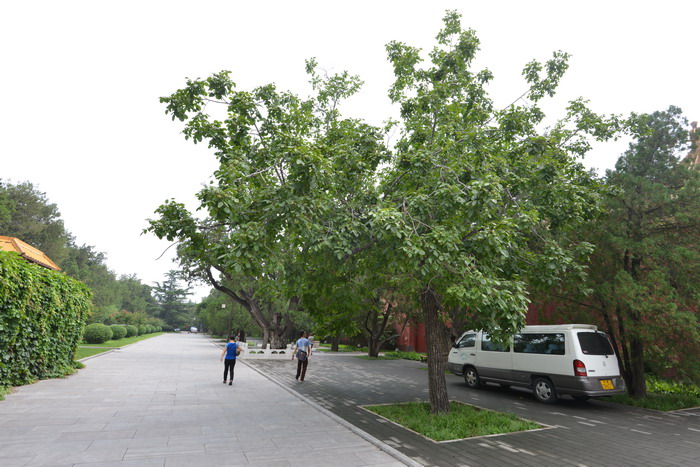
<point x="149" y="329"/>
<point x="97" y="333"/>
<point x="142" y="329"/>
<point x="118" y="331"/>
<point x="132" y="331"/>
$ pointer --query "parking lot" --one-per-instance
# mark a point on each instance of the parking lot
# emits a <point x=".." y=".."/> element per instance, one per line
<point x="593" y="433"/>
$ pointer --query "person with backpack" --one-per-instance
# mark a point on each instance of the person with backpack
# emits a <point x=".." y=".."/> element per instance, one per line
<point x="230" y="352"/>
<point x="302" y="351"/>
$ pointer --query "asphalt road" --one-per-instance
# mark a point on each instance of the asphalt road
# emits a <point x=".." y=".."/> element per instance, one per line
<point x="592" y="433"/>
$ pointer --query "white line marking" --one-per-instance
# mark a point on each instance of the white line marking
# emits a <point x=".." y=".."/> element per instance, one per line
<point x="638" y="431"/>
<point x="589" y="424"/>
<point x="508" y="448"/>
<point x="694" y="429"/>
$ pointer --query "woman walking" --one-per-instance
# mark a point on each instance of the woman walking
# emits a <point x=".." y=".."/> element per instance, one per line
<point x="302" y="351"/>
<point x="230" y="352"/>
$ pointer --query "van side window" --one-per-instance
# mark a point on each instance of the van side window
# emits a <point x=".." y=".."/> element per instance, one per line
<point x="490" y="346"/>
<point x="549" y="343"/>
<point x="469" y="340"/>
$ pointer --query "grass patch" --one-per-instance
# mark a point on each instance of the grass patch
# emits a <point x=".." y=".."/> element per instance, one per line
<point x="406" y="355"/>
<point x="112" y="344"/>
<point x="342" y="348"/>
<point x="381" y="357"/>
<point x="663" y="402"/>
<point x="82" y="352"/>
<point x="463" y="421"/>
<point x="663" y="395"/>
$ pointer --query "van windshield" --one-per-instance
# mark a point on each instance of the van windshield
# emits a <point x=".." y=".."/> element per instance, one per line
<point x="594" y="343"/>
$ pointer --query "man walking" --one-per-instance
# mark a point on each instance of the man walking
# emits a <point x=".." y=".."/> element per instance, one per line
<point x="302" y="351"/>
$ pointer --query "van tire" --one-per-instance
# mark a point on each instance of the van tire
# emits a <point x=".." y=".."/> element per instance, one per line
<point x="471" y="377"/>
<point x="544" y="390"/>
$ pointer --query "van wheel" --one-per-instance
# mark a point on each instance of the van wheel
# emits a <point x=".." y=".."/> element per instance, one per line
<point x="471" y="377"/>
<point x="544" y="391"/>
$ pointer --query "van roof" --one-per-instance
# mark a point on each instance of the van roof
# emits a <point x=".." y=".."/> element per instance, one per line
<point x="559" y="327"/>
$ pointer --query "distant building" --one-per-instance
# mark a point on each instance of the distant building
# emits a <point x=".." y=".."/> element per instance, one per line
<point x="28" y="252"/>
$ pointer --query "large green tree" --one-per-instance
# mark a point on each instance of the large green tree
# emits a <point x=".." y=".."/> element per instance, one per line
<point x="477" y="200"/>
<point x="26" y="213"/>
<point x="172" y="304"/>
<point x="644" y="275"/>
<point x="468" y="210"/>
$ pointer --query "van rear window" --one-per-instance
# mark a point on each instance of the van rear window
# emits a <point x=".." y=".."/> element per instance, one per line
<point x="595" y="343"/>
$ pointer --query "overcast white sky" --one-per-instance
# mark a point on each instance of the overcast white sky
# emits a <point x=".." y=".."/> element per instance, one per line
<point x="80" y="82"/>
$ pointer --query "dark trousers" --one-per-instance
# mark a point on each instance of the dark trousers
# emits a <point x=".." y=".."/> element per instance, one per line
<point x="301" y="368"/>
<point x="229" y="363"/>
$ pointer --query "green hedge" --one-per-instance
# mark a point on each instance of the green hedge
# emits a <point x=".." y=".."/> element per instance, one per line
<point x="118" y="331"/>
<point x="131" y="330"/>
<point x="42" y="315"/>
<point x="97" y="333"/>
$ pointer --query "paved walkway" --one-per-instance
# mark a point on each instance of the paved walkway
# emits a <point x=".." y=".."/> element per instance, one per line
<point x="160" y="402"/>
<point x="593" y="433"/>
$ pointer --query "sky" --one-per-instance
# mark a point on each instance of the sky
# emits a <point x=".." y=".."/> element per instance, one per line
<point x="80" y="83"/>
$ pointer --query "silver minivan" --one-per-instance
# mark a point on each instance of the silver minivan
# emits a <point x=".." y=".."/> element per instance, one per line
<point x="567" y="359"/>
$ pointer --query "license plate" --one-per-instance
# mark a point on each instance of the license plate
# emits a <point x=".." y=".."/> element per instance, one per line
<point x="606" y="384"/>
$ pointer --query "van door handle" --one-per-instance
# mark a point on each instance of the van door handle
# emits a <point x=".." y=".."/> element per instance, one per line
<point x="473" y="354"/>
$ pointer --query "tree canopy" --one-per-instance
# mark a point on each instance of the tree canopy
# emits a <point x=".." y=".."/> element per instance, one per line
<point x="469" y="208"/>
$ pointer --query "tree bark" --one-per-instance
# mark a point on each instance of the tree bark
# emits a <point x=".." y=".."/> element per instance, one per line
<point x="335" y="343"/>
<point x="437" y="343"/>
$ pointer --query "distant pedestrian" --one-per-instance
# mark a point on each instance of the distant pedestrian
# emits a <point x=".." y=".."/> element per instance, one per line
<point x="230" y="352"/>
<point x="311" y="341"/>
<point x="302" y="351"/>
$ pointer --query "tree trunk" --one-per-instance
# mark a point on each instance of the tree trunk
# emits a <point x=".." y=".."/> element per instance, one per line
<point x="437" y="342"/>
<point x="335" y="343"/>
<point x="637" y="384"/>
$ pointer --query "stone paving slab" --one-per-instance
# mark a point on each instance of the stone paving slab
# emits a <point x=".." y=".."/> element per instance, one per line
<point x="161" y="402"/>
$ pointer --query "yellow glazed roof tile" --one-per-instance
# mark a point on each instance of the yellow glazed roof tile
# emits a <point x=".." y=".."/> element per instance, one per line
<point x="28" y="252"/>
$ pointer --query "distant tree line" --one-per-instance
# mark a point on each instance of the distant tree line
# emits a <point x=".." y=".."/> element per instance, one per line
<point x="26" y="213"/>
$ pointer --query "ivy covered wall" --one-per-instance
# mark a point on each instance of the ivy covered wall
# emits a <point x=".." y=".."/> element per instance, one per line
<point x="42" y="315"/>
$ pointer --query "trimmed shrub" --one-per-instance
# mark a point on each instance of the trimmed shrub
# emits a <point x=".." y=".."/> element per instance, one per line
<point x="97" y="333"/>
<point x="142" y="329"/>
<point x="42" y="315"/>
<point x="132" y="331"/>
<point x="118" y="331"/>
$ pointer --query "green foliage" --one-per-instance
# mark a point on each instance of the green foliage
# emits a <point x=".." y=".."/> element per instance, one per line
<point x="664" y="395"/>
<point x="118" y="331"/>
<point x="470" y="209"/>
<point x="42" y="314"/>
<point x="26" y="213"/>
<point x="643" y="275"/>
<point x="406" y="355"/>
<point x="142" y="329"/>
<point x="97" y="333"/>
<point x="463" y="421"/>
<point x="172" y="306"/>
<point x="131" y="330"/>
<point x="227" y="319"/>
